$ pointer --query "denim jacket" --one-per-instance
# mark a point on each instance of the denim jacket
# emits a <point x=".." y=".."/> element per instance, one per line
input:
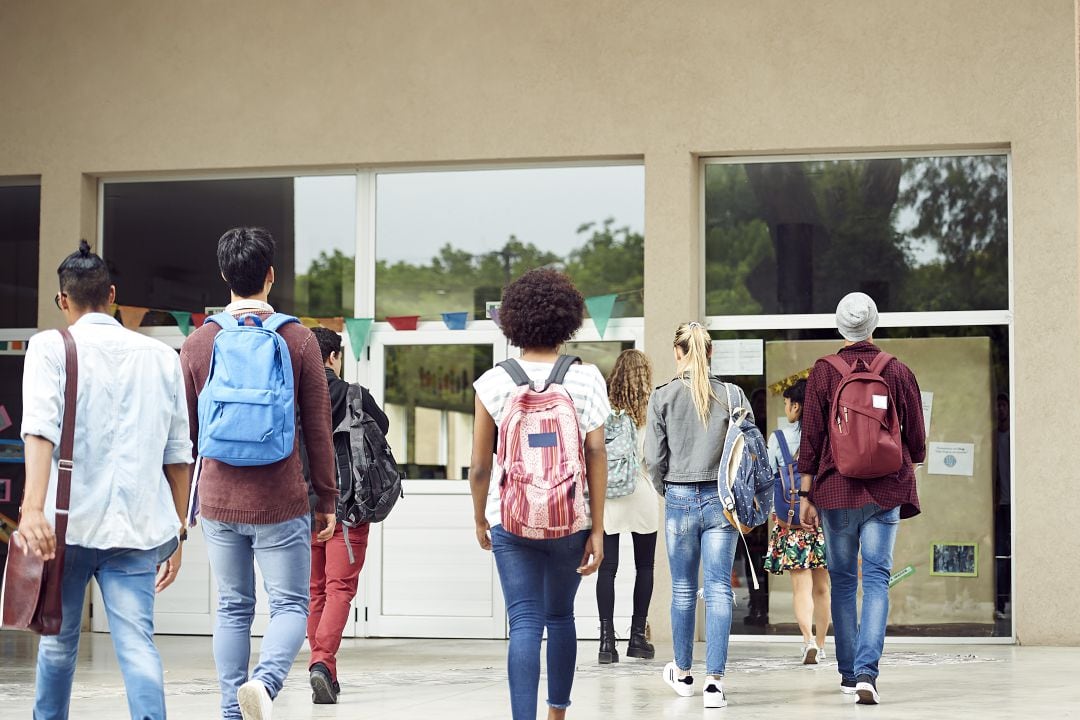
<point x="678" y="447"/>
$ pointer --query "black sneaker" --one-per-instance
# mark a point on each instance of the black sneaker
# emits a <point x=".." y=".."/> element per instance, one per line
<point x="866" y="689"/>
<point x="322" y="685"/>
<point x="847" y="686"/>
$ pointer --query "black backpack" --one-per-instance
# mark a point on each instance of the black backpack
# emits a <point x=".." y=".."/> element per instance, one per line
<point x="369" y="481"/>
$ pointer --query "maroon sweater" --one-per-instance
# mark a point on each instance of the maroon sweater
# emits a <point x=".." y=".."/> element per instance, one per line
<point x="267" y="493"/>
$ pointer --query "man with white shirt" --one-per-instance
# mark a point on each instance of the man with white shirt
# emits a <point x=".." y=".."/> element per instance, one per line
<point x="129" y="484"/>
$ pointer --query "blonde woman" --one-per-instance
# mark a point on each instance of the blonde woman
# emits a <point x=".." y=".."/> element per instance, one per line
<point x="686" y="425"/>
<point x="637" y="513"/>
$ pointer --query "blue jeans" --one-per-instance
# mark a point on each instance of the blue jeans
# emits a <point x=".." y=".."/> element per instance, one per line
<point x="127" y="580"/>
<point x="698" y="533"/>
<point x="539" y="580"/>
<point x="872" y="531"/>
<point x="283" y="551"/>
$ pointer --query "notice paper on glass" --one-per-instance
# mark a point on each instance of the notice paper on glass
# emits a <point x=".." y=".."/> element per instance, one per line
<point x="951" y="458"/>
<point x="738" y="357"/>
<point x="927" y="409"/>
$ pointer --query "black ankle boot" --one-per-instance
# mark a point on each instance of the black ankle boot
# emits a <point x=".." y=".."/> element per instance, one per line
<point x="639" y="646"/>
<point x="608" y="652"/>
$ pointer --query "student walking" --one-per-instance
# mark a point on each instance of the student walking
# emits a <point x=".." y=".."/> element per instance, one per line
<point x="543" y="512"/>
<point x="857" y="398"/>
<point x="251" y="488"/>
<point x="335" y="563"/>
<point x="688" y="422"/>
<point x="795" y="549"/>
<point x="128" y="480"/>
<point x="631" y="507"/>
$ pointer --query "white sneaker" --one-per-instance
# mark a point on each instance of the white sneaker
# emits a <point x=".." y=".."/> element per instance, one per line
<point x="684" y="686"/>
<point x="255" y="702"/>
<point x="866" y="689"/>
<point x="810" y="654"/>
<point x="713" y="695"/>
<point x="821" y="656"/>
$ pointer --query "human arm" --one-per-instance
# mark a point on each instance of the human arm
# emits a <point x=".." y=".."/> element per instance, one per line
<point x="34" y="528"/>
<point x="656" y="446"/>
<point x="596" y="477"/>
<point x="179" y="479"/>
<point x="313" y="399"/>
<point x="480" y="470"/>
<point x="912" y="424"/>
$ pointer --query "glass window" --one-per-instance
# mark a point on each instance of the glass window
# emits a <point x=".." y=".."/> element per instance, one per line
<point x="161" y="241"/>
<point x="964" y="375"/>
<point x="917" y="234"/>
<point x="12" y="474"/>
<point x="429" y="401"/>
<point x="20" y="214"/>
<point x="450" y="241"/>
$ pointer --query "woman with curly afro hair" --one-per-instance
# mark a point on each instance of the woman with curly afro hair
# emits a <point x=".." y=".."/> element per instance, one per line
<point x="540" y="311"/>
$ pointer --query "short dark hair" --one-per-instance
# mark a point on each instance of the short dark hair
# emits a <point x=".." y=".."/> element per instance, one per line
<point x="84" y="278"/>
<point x="797" y="392"/>
<point x="245" y="255"/>
<point x="329" y="341"/>
<point x="541" y="309"/>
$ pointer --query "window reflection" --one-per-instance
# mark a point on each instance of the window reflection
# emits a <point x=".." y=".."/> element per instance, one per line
<point x="917" y="234"/>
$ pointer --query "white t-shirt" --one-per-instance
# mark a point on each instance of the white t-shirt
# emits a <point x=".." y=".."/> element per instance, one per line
<point x="585" y="385"/>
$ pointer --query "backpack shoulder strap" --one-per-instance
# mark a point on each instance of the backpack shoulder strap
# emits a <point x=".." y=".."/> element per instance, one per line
<point x="785" y="451"/>
<point x="515" y="371"/>
<point x="880" y="361"/>
<point x="222" y="319"/>
<point x="276" y="321"/>
<point x="838" y="362"/>
<point x="562" y="366"/>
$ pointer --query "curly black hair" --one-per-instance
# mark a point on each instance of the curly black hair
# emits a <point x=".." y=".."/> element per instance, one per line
<point x="541" y="309"/>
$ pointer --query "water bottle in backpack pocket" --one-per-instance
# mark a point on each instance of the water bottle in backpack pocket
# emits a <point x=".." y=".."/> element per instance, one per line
<point x="620" y="440"/>
<point x="247" y="408"/>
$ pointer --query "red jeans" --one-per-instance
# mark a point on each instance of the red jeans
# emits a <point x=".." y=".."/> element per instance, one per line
<point x="333" y="587"/>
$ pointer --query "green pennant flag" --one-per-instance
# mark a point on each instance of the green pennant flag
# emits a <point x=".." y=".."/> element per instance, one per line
<point x="183" y="320"/>
<point x="3" y="345"/>
<point x="359" y="329"/>
<point x="600" y="309"/>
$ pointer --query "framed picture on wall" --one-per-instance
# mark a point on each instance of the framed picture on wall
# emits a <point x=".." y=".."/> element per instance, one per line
<point x="954" y="559"/>
<point x="11" y="451"/>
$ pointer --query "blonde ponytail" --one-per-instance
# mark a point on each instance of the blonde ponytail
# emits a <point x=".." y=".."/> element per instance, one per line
<point x="694" y="342"/>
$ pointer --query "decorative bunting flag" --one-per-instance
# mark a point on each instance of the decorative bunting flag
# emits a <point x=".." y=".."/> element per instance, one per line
<point x="113" y="307"/>
<point x="198" y="319"/>
<point x="132" y="316"/>
<point x="337" y="324"/>
<point x="183" y="320"/>
<point x="600" y="309"/>
<point x="359" y="329"/>
<point x="309" y="322"/>
<point x="17" y="345"/>
<point x="3" y="345"/>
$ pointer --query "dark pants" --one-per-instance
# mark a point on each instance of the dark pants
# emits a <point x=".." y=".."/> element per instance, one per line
<point x="644" y="560"/>
<point x="1003" y="555"/>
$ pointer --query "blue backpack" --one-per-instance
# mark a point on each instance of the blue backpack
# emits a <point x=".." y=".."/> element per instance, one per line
<point x="745" y="479"/>
<point x="786" y="484"/>
<point x="247" y="409"/>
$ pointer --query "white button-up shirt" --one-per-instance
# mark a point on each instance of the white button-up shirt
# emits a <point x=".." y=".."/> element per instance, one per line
<point x="130" y="419"/>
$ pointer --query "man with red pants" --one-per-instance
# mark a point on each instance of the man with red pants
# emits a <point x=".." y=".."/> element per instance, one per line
<point x="336" y="563"/>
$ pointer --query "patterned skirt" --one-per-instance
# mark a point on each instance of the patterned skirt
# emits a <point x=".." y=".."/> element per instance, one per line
<point x="795" y="549"/>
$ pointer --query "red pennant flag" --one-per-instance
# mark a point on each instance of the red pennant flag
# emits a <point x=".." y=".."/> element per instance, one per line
<point x="132" y="316"/>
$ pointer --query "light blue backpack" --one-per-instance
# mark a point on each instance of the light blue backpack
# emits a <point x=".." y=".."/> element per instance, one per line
<point x="620" y="439"/>
<point x="247" y="409"/>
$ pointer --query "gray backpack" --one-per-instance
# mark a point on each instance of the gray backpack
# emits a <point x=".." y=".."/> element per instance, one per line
<point x="620" y="438"/>
<point x="369" y="480"/>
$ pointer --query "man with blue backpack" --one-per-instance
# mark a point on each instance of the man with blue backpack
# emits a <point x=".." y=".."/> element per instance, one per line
<point x="250" y="373"/>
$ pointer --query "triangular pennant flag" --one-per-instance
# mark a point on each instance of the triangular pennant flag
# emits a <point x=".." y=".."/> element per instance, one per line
<point x="197" y="319"/>
<point x="132" y="316"/>
<point x="183" y="320"/>
<point x="336" y="324"/>
<point x="3" y="345"/>
<point x="600" y="308"/>
<point x="359" y="329"/>
<point x="113" y="307"/>
<point x="309" y="322"/>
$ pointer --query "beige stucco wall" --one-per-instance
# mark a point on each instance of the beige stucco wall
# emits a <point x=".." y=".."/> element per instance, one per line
<point x="90" y="89"/>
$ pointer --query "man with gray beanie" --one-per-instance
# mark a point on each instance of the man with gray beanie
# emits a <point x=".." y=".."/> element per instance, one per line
<point x="859" y="514"/>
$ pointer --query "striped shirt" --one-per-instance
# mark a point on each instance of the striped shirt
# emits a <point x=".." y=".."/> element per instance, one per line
<point x="585" y="385"/>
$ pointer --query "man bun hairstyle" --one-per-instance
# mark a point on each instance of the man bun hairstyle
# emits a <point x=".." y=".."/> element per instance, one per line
<point x="329" y="341"/>
<point x="541" y="309"/>
<point x="245" y="256"/>
<point x="85" y="278"/>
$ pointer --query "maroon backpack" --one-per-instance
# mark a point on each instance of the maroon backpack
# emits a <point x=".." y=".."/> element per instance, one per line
<point x="864" y="429"/>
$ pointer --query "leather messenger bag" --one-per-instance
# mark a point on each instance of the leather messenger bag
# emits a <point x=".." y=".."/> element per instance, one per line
<point x="30" y="597"/>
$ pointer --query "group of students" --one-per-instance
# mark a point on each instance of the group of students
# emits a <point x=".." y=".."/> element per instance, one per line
<point x="137" y="429"/>
<point x="682" y="427"/>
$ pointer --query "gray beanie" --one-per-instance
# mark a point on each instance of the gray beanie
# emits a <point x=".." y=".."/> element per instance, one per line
<point x="856" y="316"/>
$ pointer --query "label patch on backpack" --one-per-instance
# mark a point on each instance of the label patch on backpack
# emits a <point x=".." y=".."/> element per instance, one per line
<point x="543" y="440"/>
<point x="881" y="402"/>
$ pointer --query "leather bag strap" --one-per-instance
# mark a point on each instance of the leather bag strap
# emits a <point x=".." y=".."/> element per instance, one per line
<point x="67" y="438"/>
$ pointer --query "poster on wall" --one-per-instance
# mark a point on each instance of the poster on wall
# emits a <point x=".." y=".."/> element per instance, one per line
<point x="951" y="459"/>
<point x="927" y="410"/>
<point x="954" y="559"/>
<point x="738" y="357"/>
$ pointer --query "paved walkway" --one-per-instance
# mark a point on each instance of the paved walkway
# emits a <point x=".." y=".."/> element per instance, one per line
<point x="398" y="679"/>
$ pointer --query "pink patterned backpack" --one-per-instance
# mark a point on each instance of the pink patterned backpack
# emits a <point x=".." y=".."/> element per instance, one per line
<point x="541" y="457"/>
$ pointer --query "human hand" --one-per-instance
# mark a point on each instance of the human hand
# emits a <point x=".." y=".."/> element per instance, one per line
<point x="594" y="549"/>
<point x="483" y="528"/>
<point x="324" y="526"/>
<point x="808" y="514"/>
<point x="36" y="534"/>
<point x="168" y="570"/>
